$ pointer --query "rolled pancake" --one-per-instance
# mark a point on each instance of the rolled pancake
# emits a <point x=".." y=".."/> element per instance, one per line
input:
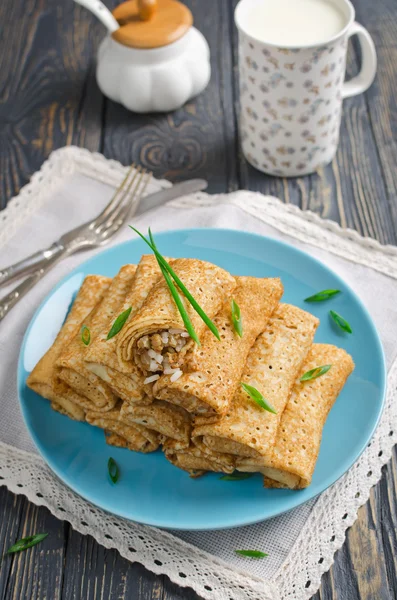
<point x="213" y="370"/>
<point x="112" y="439"/>
<point x="125" y="379"/>
<point x="158" y="329"/>
<point x="71" y="362"/>
<point x="294" y="455"/>
<point x="168" y="420"/>
<point x="196" y="462"/>
<point x="44" y="379"/>
<point x="137" y="437"/>
<point x="272" y="367"/>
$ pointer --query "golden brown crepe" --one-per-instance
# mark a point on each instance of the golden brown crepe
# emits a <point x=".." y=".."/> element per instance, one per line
<point x="196" y="462"/>
<point x="294" y="455"/>
<point x="156" y="336"/>
<point x="126" y="380"/>
<point x="44" y="378"/>
<point x="213" y="370"/>
<point x="112" y="439"/>
<point x="168" y="420"/>
<point x="71" y="362"/>
<point x="272" y="367"/>
<point x="136" y="437"/>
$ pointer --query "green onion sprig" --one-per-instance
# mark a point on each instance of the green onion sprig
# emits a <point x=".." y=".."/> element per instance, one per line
<point x="26" y="543"/>
<point x="85" y="335"/>
<point x="236" y="318"/>
<point x="251" y="553"/>
<point x="119" y="323"/>
<point x="166" y="268"/>
<point x="113" y="469"/>
<point x="323" y="295"/>
<point x="236" y="476"/>
<point x="177" y="299"/>
<point x="340" y="321"/>
<point x="314" y="373"/>
<point x="258" y="398"/>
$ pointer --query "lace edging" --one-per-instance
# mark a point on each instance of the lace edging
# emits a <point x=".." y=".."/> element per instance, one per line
<point x="157" y="550"/>
<point x="305" y="226"/>
<point x="61" y="162"/>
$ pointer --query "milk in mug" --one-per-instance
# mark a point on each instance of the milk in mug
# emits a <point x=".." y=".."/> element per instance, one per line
<point x="292" y="61"/>
<point x="294" y="22"/>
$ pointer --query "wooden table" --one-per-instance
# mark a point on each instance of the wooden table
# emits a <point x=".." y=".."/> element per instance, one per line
<point x="49" y="98"/>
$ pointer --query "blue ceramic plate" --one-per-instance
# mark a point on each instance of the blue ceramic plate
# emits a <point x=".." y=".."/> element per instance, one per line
<point x="150" y="489"/>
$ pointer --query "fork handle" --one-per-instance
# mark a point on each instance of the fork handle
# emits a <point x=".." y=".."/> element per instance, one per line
<point x="28" y="264"/>
<point x="11" y="299"/>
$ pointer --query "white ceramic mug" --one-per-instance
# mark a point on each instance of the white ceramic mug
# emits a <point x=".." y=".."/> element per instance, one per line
<point x="291" y="97"/>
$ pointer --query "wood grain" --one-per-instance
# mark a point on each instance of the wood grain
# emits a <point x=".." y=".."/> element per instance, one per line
<point x="36" y="573"/>
<point x="49" y="98"/>
<point x="46" y="86"/>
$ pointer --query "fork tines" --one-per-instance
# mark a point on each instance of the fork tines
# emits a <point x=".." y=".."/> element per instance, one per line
<point x="125" y="199"/>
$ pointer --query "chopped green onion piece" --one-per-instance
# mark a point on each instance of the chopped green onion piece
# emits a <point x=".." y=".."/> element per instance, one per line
<point x="236" y="476"/>
<point x="340" y="321"/>
<point x="258" y="398"/>
<point x="179" y="283"/>
<point x="323" y="295"/>
<point x="113" y="470"/>
<point x="27" y="542"/>
<point x="251" y="553"/>
<point x="236" y="318"/>
<point x="85" y="335"/>
<point x="119" y="323"/>
<point x="314" y="373"/>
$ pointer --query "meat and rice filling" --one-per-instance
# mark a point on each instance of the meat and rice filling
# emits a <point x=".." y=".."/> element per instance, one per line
<point x="160" y="353"/>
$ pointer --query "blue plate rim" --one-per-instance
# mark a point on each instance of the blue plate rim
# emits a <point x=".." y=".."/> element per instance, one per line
<point x="188" y="526"/>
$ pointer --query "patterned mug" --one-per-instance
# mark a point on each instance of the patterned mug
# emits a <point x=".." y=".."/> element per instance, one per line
<point x="291" y="97"/>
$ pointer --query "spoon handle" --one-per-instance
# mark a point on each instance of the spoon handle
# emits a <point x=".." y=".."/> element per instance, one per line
<point x="102" y="12"/>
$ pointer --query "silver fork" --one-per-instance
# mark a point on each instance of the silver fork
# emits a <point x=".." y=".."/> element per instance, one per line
<point x="91" y="234"/>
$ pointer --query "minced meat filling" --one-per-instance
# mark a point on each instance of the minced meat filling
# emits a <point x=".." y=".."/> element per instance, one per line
<point x="159" y="352"/>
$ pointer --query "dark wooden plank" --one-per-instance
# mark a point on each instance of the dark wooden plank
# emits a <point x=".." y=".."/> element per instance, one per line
<point x="37" y="572"/>
<point x="94" y="573"/>
<point x="10" y="515"/>
<point x="174" y="592"/>
<point x="380" y="20"/>
<point x="371" y="542"/>
<point x="48" y="94"/>
<point x="198" y="140"/>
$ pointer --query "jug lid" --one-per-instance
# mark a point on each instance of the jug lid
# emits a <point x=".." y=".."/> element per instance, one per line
<point x="151" y="23"/>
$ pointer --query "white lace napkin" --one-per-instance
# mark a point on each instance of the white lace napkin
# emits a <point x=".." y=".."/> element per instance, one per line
<point x="71" y="187"/>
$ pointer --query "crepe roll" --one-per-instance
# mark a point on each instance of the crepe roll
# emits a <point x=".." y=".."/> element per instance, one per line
<point x="213" y="370"/>
<point x="294" y="454"/>
<point x="44" y="379"/>
<point x="168" y="420"/>
<point x="273" y="363"/>
<point x="73" y="369"/>
<point x="156" y="338"/>
<point x="125" y="379"/>
<point x="63" y="400"/>
<point x="137" y="437"/>
<point x="112" y="439"/>
<point x="196" y="462"/>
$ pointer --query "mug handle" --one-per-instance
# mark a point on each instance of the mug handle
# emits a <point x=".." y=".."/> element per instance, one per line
<point x="363" y="80"/>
